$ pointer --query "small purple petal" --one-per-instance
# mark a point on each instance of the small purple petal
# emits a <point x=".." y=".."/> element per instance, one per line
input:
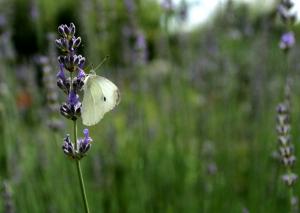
<point x="86" y="132"/>
<point x="81" y="62"/>
<point x="61" y="73"/>
<point x="73" y="98"/>
<point x="81" y="74"/>
<point x="287" y="40"/>
<point x="167" y="5"/>
<point x="87" y="138"/>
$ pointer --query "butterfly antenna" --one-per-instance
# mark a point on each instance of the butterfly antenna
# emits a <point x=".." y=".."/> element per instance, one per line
<point x="102" y="62"/>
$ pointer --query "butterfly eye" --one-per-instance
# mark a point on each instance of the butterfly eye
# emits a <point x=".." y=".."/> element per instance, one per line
<point x="104" y="98"/>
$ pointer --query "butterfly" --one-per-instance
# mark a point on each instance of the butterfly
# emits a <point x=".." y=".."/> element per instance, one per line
<point x="100" y="95"/>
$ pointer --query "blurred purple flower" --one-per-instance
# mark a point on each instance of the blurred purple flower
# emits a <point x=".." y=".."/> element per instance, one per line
<point x="129" y="5"/>
<point x="183" y="11"/>
<point x="287" y="41"/>
<point x="167" y="5"/>
<point x="3" y="21"/>
<point x="141" y="48"/>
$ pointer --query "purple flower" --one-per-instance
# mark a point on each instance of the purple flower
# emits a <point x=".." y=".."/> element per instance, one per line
<point x="141" y="49"/>
<point x="68" y="147"/>
<point x="129" y="5"/>
<point x="167" y="5"/>
<point x="73" y="99"/>
<point x="287" y="41"/>
<point x="81" y="74"/>
<point x="61" y="74"/>
<point x="140" y="41"/>
<point x="84" y="143"/>
<point x="289" y="178"/>
<point x="87" y="138"/>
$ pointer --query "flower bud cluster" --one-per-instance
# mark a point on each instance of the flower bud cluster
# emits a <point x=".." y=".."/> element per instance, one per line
<point x="83" y="145"/>
<point x="287" y="39"/>
<point x="70" y="79"/>
<point x="285" y="147"/>
<point x="284" y="11"/>
<point x="208" y="152"/>
<point x="70" y="62"/>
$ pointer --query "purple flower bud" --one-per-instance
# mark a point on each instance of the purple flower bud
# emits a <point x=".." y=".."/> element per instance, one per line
<point x="77" y="42"/>
<point x="87" y="138"/>
<point x="66" y="111"/>
<point x="284" y="140"/>
<point x="71" y="110"/>
<point x="68" y="147"/>
<point x="85" y="143"/>
<point x="73" y="98"/>
<point x="288" y="161"/>
<point x="81" y="62"/>
<point x="141" y="48"/>
<point x="71" y="58"/>
<point x="130" y="5"/>
<point x="140" y="41"/>
<point x="61" y="74"/>
<point x="167" y="5"/>
<point x="286" y="151"/>
<point x="282" y="108"/>
<point x="72" y="29"/>
<point x="64" y="85"/>
<point x="71" y="43"/>
<point x="78" y="81"/>
<point x="60" y="59"/>
<point x="283" y="12"/>
<point x="289" y="179"/>
<point x="76" y="60"/>
<point x="287" y="3"/>
<point x="287" y="41"/>
<point x="183" y="11"/>
<point x="58" y="43"/>
<point x="61" y="30"/>
<point x="66" y="30"/>
<point x="81" y="74"/>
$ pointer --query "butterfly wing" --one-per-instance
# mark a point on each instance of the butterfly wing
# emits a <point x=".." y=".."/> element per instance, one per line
<point x="93" y="102"/>
<point x="111" y="94"/>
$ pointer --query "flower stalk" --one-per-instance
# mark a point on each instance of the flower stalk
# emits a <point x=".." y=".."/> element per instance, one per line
<point x="70" y="79"/>
<point x="79" y="172"/>
<point x="286" y="148"/>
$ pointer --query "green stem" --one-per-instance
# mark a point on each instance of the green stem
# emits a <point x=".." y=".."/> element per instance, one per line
<point x="291" y="199"/>
<point x="85" y="201"/>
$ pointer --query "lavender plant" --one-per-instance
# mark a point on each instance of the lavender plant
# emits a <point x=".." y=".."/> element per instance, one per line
<point x="283" y="126"/>
<point x="286" y="148"/>
<point x="72" y="64"/>
<point x="7" y="198"/>
<point x="53" y="122"/>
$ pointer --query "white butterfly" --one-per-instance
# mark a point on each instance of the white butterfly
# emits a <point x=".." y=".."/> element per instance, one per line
<point x="100" y="96"/>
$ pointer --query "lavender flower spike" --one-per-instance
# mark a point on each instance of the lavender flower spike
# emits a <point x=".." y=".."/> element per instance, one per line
<point x="72" y="63"/>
